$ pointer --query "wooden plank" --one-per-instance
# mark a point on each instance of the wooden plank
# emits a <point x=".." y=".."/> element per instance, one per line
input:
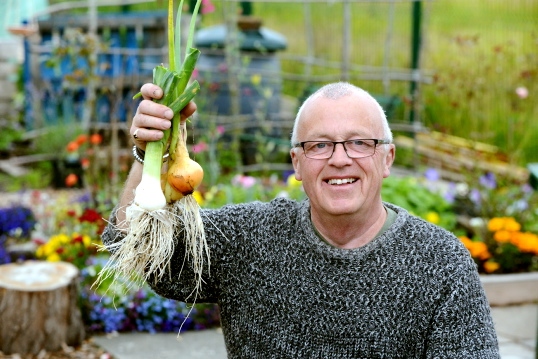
<point x="450" y="157"/>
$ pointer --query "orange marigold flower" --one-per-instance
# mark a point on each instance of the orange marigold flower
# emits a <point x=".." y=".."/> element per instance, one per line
<point x="81" y="139"/>
<point x="496" y="224"/>
<point x="502" y="236"/>
<point x="466" y="241"/>
<point x="480" y="250"/>
<point x="491" y="266"/>
<point x="512" y="225"/>
<point x="96" y="139"/>
<point x="526" y="242"/>
<point x="72" y="146"/>
<point x="71" y="180"/>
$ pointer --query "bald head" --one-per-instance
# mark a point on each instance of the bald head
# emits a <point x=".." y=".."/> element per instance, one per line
<point x="336" y="91"/>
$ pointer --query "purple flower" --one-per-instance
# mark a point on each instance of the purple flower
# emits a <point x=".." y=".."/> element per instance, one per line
<point x="475" y="196"/>
<point x="488" y="181"/>
<point x="432" y="174"/>
<point x="450" y="194"/>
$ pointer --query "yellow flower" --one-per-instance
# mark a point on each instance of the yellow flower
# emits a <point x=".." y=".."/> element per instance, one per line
<point x="491" y="266"/>
<point x="433" y="217"/>
<point x="86" y="240"/>
<point x="256" y="79"/>
<point x="54" y="257"/>
<point x="198" y="197"/>
<point x="292" y="181"/>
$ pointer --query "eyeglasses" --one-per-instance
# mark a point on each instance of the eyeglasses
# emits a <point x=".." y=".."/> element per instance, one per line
<point x="322" y="150"/>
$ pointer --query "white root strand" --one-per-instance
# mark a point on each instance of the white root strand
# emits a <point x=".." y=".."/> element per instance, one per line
<point x="195" y="240"/>
<point x="146" y="251"/>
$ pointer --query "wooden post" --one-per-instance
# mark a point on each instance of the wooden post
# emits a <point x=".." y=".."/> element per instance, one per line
<point x="38" y="307"/>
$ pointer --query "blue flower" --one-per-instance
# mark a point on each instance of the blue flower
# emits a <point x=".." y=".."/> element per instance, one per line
<point x="4" y="255"/>
<point x="16" y="221"/>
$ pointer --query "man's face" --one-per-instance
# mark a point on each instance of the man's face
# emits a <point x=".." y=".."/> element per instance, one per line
<point x="350" y="117"/>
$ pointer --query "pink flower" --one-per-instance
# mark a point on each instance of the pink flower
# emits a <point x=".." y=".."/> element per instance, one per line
<point x="222" y="67"/>
<point x="199" y="147"/>
<point x="522" y="92"/>
<point x="244" y="181"/>
<point x="220" y="129"/>
<point x="207" y="7"/>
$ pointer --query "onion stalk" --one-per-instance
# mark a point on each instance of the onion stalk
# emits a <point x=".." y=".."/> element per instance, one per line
<point x="163" y="199"/>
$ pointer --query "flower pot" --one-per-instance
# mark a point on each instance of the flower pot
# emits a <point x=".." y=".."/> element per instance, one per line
<point x="511" y="289"/>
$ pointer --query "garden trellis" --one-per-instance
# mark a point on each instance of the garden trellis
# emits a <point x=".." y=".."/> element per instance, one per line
<point x="130" y="44"/>
<point x="318" y="52"/>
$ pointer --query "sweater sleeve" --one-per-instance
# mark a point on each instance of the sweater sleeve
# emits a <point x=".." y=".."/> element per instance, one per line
<point x="462" y="326"/>
<point x="224" y="229"/>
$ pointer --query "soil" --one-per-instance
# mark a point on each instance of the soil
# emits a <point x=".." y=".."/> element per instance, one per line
<point x="87" y="350"/>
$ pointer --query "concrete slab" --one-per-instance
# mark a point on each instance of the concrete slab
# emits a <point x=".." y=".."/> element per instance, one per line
<point x="207" y="344"/>
<point x="518" y="322"/>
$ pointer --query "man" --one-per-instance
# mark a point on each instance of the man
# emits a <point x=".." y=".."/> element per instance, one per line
<point x="341" y="274"/>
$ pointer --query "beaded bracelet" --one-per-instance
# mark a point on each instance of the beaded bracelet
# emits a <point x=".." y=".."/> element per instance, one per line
<point x="139" y="154"/>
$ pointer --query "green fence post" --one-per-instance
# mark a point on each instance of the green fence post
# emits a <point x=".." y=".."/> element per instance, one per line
<point x="246" y="8"/>
<point x="416" y="40"/>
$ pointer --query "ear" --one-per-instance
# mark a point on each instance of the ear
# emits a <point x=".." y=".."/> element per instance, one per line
<point x="296" y="164"/>
<point x="389" y="160"/>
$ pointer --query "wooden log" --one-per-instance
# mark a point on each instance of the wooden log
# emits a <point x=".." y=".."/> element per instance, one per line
<point x="39" y="307"/>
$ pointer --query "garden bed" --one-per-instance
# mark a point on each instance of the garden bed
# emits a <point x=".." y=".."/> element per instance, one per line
<point x="69" y="224"/>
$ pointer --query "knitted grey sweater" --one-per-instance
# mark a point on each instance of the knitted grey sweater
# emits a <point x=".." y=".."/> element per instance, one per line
<point x="412" y="292"/>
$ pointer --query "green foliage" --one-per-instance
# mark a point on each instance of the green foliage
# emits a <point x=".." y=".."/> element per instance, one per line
<point x="242" y="189"/>
<point x="414" y="195"/>
<point x="10" y="134"/>
<point x="37" y="177"/>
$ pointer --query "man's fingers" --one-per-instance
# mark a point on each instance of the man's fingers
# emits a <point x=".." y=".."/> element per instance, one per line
<point x="151" y="108"/>
<point x="150" y="91"/>
<point x="188" y="110"/>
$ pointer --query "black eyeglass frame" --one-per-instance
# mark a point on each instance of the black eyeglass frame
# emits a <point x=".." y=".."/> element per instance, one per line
<point x="377" y="141"/>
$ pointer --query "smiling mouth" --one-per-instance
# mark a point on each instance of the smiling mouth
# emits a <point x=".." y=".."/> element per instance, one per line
<point x="339" y="181"/>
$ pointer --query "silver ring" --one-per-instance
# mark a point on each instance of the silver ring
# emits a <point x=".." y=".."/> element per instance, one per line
<point x="135" y="135"/>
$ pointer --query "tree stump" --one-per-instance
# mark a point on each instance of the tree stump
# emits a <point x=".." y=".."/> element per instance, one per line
<point x="39" y="307"/>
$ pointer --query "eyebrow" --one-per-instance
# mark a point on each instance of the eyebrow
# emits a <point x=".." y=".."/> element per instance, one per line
<point x="345" y="137"/>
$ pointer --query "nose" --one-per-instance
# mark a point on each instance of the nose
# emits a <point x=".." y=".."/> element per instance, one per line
<point x="339" y="153"/>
